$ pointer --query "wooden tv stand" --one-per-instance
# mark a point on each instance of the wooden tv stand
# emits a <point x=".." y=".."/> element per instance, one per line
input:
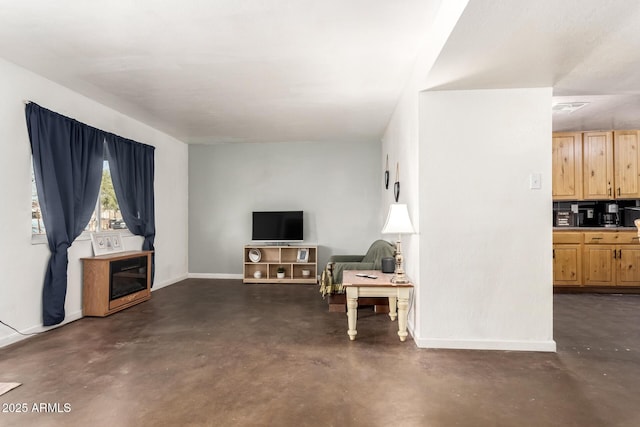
<point x="96" y="289"/>
<point x="272" y="257"/>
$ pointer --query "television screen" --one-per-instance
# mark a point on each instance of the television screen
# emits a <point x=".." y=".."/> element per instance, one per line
<point x="277" y="226"/>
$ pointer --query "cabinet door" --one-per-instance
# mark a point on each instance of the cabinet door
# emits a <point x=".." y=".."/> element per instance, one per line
<point x="566" y="181"/>
<point x="598" y="165"/>
<point x="626" y="164"/>
<point x="567" y="265"/>
<point x="599" y="265"/>
<point x="628" y="266"/>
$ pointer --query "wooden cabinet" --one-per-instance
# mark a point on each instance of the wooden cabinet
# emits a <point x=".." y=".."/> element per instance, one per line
<point x="115" y="281"/>
<point x="600" y="259"/>
<point x="611" y="259"/>
<point x="611" y="165"/>
<point x="267" y="259"/>
<point x="567" y="258"/>
<point x="598" y="165"/>
<point x="599" y="265"/>
<point x="567" y="166"/>
<point x="626" y="164"/>
<point x="628" y="266"/>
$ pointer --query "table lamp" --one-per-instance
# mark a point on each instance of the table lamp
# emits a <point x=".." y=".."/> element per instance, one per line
<point x="398" y="222"/>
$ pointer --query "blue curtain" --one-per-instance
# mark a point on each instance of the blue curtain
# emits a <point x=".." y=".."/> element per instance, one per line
<point x="67" y="163"/>
<point x="132" y="171"/>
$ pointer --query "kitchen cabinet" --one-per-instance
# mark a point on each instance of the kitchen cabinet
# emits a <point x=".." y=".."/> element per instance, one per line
<point x="628" y="266"/>
<point x="611" y="259"/>
<point x="611" y="165"/>
<point x="597" y="165"/>
<point x="567" y="258"/>
<point x="599" y="264"/>
<point x="626" y="164"/>
<point x="567" y="166"/>
<point x="602" y="259"/>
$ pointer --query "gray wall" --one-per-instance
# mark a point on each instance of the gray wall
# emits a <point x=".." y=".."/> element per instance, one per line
<point x="337" y="185"/>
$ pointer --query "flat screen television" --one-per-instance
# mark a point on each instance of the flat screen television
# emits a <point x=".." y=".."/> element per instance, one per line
<point x="277" y="226"/>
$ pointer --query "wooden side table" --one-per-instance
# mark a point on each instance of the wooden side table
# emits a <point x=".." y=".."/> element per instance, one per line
<point x="381" y="286"/>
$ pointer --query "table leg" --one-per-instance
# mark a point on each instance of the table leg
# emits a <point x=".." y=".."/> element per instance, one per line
<point x="352" y="312"/>
<point x="392" y="308"/>
<point x="403" y="313"/>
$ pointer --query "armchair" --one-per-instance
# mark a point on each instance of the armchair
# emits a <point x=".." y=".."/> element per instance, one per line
<point x="331" y="280"/>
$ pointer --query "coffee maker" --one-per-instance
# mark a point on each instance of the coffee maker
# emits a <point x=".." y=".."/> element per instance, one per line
<point x="611" y="217"/>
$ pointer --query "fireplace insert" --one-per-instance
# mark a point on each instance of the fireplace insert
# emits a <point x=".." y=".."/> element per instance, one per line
<point x="127" y="276"/>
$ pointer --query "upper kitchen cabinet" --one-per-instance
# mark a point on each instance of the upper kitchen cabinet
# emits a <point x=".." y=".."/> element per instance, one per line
<point x="567" y="166"/>
<point x="598" y="165"/>
<point x="626" y="164"/>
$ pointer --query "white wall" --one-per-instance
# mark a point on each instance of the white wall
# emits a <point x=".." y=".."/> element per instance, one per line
<point x="475" y="286"/>
<point x="337" y="185"/>
<point x="23" y="263"/>
<point x="401" y="143"/>
<point x="485" y="242"/>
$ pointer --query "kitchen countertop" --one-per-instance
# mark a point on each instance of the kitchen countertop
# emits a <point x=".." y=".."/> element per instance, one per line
<point x="595" y="229"/>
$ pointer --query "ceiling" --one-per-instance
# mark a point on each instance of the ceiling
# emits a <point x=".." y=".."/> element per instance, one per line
<point x="228" y="70"/>
<point x="332" y="70"/>
<point x="587" y="50"/>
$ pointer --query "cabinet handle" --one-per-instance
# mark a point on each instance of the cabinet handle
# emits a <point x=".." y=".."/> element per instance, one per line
<point x="554" y="253"/>
<point x="609" y="190"/>
<point x="596" y="238"/>
<point x="618" y="191"/>
<point x="620" y="253"/>
<point x="635" y="238"/>
<point x="614" y="254"/>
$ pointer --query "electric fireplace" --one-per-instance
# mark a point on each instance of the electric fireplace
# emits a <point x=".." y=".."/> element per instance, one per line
<point x="113" y="282"/>
<point x="127" y="276"/>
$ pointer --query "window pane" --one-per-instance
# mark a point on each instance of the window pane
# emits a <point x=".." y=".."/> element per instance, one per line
<point x="107" y="208"/>
<point x="110" y="215"/>
<point x="93" y="223"/>
<point x="37" y="226"/>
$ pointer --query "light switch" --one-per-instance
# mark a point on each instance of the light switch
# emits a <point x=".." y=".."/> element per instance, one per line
<point x="534" y="181"/>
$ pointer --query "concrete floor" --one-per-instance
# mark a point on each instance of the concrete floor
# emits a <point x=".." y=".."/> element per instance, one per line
<point x="216" y="352"/>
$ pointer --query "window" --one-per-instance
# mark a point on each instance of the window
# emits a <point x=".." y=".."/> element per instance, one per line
<point x="37" y="226"/>
<point x="107" y="208"/>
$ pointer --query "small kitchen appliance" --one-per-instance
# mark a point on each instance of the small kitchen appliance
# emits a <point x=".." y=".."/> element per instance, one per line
<point x="630" y="216"/>
<point x="610" y="217"/>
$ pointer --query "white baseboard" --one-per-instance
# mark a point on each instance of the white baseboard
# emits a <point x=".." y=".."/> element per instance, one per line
<point x="215" y="276"/>
<point x="546" y="346"/>
<point x="165" y="283"/>
<point x="412" y="330"/>
<point x="15" y="337"/>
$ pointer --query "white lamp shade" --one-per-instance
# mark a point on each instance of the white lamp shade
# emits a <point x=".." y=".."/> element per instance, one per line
<point x="398" y="221"/>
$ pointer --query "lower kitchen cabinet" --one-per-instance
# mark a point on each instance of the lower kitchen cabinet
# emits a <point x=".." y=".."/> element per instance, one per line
<point x="567" y="258"/>
<point x="607" y="265"/>
<point x="628" y="266"/>
<point x="599" y="265"/>
<point x="608" y="259"/>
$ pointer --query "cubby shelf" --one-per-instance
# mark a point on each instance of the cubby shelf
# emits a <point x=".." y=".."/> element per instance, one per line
<point x="272" y="257"/>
